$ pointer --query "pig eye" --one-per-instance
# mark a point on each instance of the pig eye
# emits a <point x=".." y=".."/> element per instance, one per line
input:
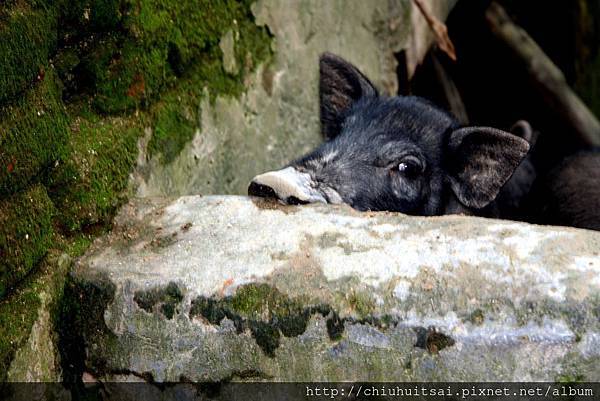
<point x="410" y="167"/>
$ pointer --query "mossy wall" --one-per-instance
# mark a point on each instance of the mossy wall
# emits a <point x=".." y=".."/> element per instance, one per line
<point x="26" y="354"/>
<point x="80" y="83"/>
<point x="25" y="234"/>
<point x="33" y="133"/>
<point x="28" y="36"/>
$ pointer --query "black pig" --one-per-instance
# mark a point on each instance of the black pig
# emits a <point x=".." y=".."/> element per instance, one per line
<point x="569" y="194"/>
<point x="393" y="153"/>
<point x="512" y="199"/>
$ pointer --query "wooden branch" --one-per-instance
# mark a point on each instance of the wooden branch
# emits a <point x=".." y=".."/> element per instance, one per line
<point x="439" y="29"/>
<point x="547" y="77"/>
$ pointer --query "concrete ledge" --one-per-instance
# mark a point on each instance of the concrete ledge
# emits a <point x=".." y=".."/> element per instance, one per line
<point x="219" y="288"/>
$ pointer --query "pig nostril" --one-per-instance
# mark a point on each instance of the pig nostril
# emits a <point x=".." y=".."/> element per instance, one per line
<point x="264" y="191"/>
<point x="292" y="200"/>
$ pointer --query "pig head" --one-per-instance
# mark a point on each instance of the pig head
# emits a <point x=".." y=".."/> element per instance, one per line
<point x="392" y="153"/>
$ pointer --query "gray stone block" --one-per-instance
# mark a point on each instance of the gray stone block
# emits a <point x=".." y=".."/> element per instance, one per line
<point x="221" y="287"/>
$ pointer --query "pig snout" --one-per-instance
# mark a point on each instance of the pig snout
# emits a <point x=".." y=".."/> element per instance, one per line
<point x="288" y="185"/>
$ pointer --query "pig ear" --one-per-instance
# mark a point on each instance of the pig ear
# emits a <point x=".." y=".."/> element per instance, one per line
<point x="340" y="85"/>
<point x="481" y="161"/>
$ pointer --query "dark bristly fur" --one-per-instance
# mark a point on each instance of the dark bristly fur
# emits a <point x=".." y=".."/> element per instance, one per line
<point x="570" y="194"/>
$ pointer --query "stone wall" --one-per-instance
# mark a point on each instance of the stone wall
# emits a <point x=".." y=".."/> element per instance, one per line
<point x="103" y="99"/>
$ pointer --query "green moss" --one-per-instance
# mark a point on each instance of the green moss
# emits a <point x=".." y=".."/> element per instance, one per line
<point x="89" y="185"/>
<point x="266" y="335"/>
<point x="25" y="234"/>
<point x="210" y="309"/>
<point x="21" y="309"/>
<point x="160" y="41"/>
<point x="80" y="17"/>
<point x="126" y="55"/>
<point x="33" y="134"/>
<point x="175" y="122"/>
<point x="17" y="315"/>
<point x="361" y="302"/>
<point x="77" y="245"/>
<point x="125" y="76"/>
<point x="161" y="58"/>
<point x="568" y="378"/>
<point x="176" y="117"/>
<point x="477" y="317"/>
<point x="267" y="313"/>
<point x="27" y="37"/>
<point x="261" y="300"/>
<point x="263" y="310"/>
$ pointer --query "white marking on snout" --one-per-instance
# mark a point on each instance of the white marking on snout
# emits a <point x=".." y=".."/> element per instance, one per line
<point x="290" y="182"/>
<point x="333" y="196"/>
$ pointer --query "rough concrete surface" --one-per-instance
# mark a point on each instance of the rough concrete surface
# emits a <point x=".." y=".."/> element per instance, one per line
<point x="222" y="287"/>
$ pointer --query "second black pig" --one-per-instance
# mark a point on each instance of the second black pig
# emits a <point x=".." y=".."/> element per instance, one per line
<point x="569" y="194"/>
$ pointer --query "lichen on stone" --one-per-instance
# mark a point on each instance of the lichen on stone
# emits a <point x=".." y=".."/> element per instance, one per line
<point x="166" y="300"/>
<point x="266" y="312"/>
